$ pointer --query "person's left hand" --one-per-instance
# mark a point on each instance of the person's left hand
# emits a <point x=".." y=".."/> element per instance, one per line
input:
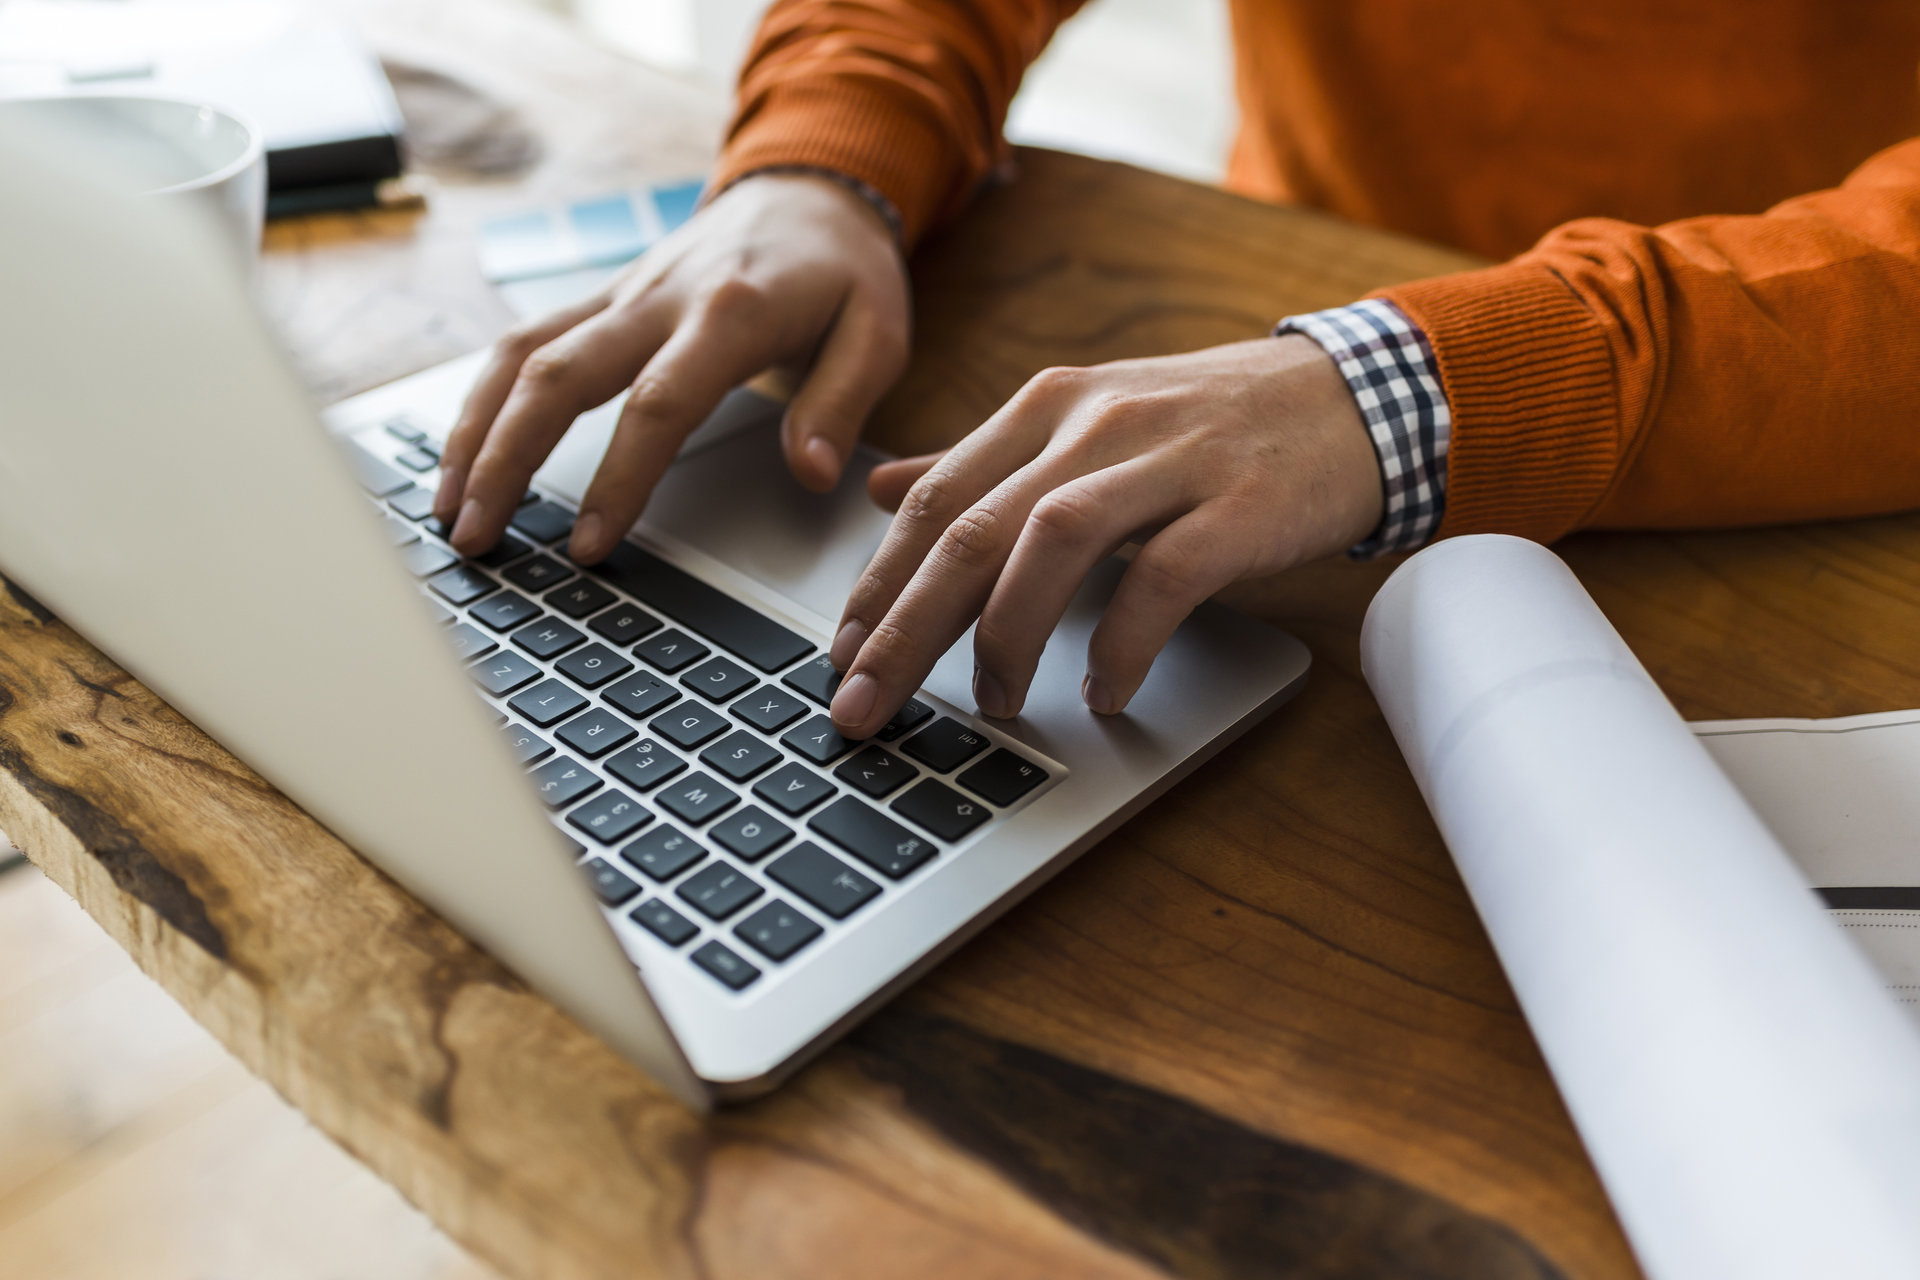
<point x="1229" y="463"/>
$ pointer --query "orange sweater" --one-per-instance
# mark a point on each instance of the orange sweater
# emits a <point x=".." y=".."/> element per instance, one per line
<point x="1748" y="364"/>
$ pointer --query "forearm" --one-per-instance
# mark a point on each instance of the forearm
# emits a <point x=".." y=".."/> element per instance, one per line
<point x="905" y="97"/>
<point x="1716" y="371"/>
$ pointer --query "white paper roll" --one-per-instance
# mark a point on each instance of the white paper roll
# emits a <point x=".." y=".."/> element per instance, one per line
<point x="1748" y="1092"/>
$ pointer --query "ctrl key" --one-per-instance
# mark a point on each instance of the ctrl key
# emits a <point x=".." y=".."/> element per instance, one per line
<point x="726" y="966"/>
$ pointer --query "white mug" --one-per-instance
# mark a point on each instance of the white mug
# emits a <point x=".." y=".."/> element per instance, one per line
<point x="161" y="147"/>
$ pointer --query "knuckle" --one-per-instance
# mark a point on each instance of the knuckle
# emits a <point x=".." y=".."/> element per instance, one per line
<point x="883" y="648"/>
<point x="973" y="540"/>
<point x="547" y="368"/>
<point x="930" y="499"/>
<point x="1065" y="516"/>
<point x="519" y="342"/>
<point x="655" y="399"/>
<point x="736" y="296"/>
<point x="1057" y="378"/>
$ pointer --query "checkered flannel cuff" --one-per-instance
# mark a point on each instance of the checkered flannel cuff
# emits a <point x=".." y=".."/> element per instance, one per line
<point x="1390" y="368"/>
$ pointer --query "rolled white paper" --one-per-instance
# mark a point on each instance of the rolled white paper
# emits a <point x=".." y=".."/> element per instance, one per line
<point x="1748" y="1092"/>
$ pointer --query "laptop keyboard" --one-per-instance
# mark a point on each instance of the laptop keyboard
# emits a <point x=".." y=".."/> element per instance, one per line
<point x="679" y="737"/>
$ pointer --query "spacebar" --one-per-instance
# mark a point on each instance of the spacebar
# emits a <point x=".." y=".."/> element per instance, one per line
<point x="695" y="605"/>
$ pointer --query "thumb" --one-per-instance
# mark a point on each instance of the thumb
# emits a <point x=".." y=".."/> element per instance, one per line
<point x="864" y="355"/>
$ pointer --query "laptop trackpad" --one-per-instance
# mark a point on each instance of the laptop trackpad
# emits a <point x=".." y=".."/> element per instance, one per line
<point x="735" y="500"/>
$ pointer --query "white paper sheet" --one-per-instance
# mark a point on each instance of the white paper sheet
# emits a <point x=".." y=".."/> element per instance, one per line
<point x="1843" y="797"/>
<point x="1748" y="1093"/>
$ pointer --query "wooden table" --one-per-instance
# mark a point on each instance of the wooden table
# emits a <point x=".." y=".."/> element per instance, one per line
<point x="1256" y="1032"/>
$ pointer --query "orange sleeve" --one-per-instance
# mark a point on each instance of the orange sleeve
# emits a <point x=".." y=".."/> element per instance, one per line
<point x="907" y="96"/>
<point x="1710" y="372"/>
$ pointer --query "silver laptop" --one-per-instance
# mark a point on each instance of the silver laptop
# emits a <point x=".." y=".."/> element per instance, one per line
<point x="621" y="780"/>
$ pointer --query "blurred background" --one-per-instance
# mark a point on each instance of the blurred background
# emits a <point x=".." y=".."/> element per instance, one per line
<point x="132" y="1146"/>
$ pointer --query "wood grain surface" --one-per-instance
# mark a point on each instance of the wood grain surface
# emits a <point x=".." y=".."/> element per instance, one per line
<point x="1257" y="1032"/>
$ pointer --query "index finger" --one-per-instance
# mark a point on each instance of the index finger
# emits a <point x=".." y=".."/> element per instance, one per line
<point x="1000" y="446"/>
<point x="489" y="393"/>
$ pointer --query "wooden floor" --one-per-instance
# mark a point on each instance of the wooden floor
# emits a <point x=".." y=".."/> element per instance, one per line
<point x="134" y="1147"/>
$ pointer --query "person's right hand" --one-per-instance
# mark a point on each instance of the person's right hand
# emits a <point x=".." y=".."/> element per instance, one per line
<point x="778" y="270"/>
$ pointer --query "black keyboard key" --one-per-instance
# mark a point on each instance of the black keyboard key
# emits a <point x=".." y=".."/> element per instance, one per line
<point x="431" y="448"/>
<point x="740" y="755"/>
<point x="817" y="740"/>
<point x="905" y="720"/>
<point x="544" y="521"/>
<point x="529" y="496"/>
<point x="664" y="852"/>
<point x="503" y="672"/>
<point x="1002" y="777"/>
<point x="528" y="747"/>
<point x="641" y="696"/>
<point x="607" y="881"/>
<point x="596" y="733"/>
<point x="461" y="585"/>
<point x="625" y="624"/>
<point x="719" y="891"/>
<point x="719" y="679"/>
<point x="405" y="432"/>
<point x="593" y="666"/>
<point x="537" y="574"/>
<point x="946" y="745"/>
<point x="547" y="638"/>
<point x="377" y="476"/>
<point x="726" y="966"/>
<point x="769" y="709"/>
<point x="793" y="789"/>
<point x="548" y="702"/>
<point x="574" y="848"/>
<point x="562" y="780"/>
<point x="777" y="930"/>
<point x="695" y="798"/>
<point x="689" y="725"/>
<point x="872" y="837"/>
<point x="505" y="611"/>
<point x="424" y="559"/>
<point x="752" y="833"/>
<point x="663" y="922"/>
<point x="823" y="880"/>
<point x="413" y="502"/>
<point x="645" y="765"/>
<point x="671" y="650"/>
<point x="942" y="810"/>
<point x="505" y="551"/>
<point x="818" y="679"/>
<point x="578" y="599"/>
<point x="418" y="460"/>
<point x="610" y="816"/>
<point x="471" y="642"/>
<point x="719" y="617"/>
<point x="876" y="772"/>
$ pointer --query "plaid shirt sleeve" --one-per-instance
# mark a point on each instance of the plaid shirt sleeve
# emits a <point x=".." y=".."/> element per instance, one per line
<point x="1389" y="365"/>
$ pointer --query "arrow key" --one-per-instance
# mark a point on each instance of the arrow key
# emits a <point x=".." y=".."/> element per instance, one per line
<point x="876" y="772"/>
<point x="942" y="810"/>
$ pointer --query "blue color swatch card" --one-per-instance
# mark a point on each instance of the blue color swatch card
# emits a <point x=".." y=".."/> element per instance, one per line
<point x="603" y="231"/>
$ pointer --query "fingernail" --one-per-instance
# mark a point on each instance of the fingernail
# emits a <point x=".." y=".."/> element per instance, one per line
<point x="992" y="699"/>
<point x="1094" y="692"/>
<point x="469" y="522"/>
<point x="585" y="543"/>
<point x="846" y="645"/>
<point x="823" y="458"/>
<point x="854" y="703"/>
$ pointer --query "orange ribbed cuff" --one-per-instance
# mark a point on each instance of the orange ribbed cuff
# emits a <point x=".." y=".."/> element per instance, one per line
<point x="838" y="123"/>
<point x="1529" y="381"/>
